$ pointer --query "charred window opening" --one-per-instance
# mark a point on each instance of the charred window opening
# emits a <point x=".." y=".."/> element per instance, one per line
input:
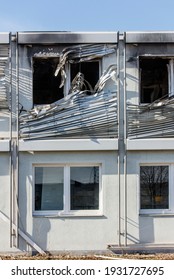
<point x="154" y="79"/>
<point x="89" y="69"/>
<point x="45" y="85"/>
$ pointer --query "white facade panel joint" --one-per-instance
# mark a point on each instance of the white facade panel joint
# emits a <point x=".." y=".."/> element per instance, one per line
<point x="69" y="145"/>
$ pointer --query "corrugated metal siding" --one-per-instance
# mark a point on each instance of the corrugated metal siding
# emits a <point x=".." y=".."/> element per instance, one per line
<point x="78" y="116"/>
<point x="4" y="77"/>
<point x="151" y="121"/>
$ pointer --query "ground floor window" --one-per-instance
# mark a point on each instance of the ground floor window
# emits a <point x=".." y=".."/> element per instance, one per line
<point x="155" y="187"/>
<point x="154" y="184"/>
<point x="67" y="189"/>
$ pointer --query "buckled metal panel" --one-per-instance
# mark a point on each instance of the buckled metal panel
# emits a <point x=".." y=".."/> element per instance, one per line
<point x="4" y="38"/>
<point x="4" y="76"/>
<point x="78" y="116"/>
<point x="151" y="120"/>
<point x="150" y="37"/>
<point x="66" y="37"/>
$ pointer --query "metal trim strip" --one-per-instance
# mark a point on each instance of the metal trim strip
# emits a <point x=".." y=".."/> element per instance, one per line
<point x="66" y="37"/>
<point x="150" y="37"/>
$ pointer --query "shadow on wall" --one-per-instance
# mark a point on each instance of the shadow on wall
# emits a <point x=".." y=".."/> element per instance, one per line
<point x="41" y="228"/>
<point x="35" y="228"/>
<point x="146" y="229"/>
<point x="142" y="232"/>
<point x="156" y="230"/>
<point x="133" y="226"/>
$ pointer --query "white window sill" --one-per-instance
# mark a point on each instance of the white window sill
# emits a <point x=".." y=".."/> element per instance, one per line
<point x="55" y="214"/>
<point x="159" y="213"/>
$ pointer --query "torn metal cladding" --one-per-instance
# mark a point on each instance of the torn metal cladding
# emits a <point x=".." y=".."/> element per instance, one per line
<point x="77" y="83"/>
<point x="82" y="53"/>
<point x="78" y="116"/>
<point x="110" y="73"/>
<point x="151" y="121"/>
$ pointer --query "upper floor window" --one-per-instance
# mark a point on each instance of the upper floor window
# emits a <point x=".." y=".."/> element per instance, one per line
<point x="74" y="68"/>
<point x="156" y="189"/>
<point x="90" y="72"/>
<point x="46" y="88"/>
<point x="154" y="75"/>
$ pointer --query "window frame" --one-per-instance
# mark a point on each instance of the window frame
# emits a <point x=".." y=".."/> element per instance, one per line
<point x="171" y="77"/>
<point x="66" y="193"/>
<point x="170" y="209"/>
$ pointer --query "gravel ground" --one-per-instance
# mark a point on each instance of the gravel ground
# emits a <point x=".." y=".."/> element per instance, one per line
<point x="90" y="257"/>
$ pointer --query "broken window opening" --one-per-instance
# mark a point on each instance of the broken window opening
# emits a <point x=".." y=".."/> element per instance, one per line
<point x="82" y="53"/>
<point x="154" y="79"/>
<point x="90" y="71"/>
<point x="46" y="88"/>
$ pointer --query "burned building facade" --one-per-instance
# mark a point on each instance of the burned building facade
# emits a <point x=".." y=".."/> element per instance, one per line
<point x="86" y="141"/>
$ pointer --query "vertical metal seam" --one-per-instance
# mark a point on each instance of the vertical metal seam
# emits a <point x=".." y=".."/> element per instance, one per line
<point x="118" y="116"/>
<point x="17" y="139"/>
<point x="125" y="148"/>
<point x="11" y="150"/>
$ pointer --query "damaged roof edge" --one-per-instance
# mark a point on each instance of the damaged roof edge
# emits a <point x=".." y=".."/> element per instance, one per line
<point x="66" y="37"/>
<point x="150" y="37"/>
<point x="4" y="37"/>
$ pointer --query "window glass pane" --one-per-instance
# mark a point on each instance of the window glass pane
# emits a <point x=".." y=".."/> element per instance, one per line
<point x="48" y="188"/>
<point x="84" y="188"/>
<point x="154" y="187"/>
